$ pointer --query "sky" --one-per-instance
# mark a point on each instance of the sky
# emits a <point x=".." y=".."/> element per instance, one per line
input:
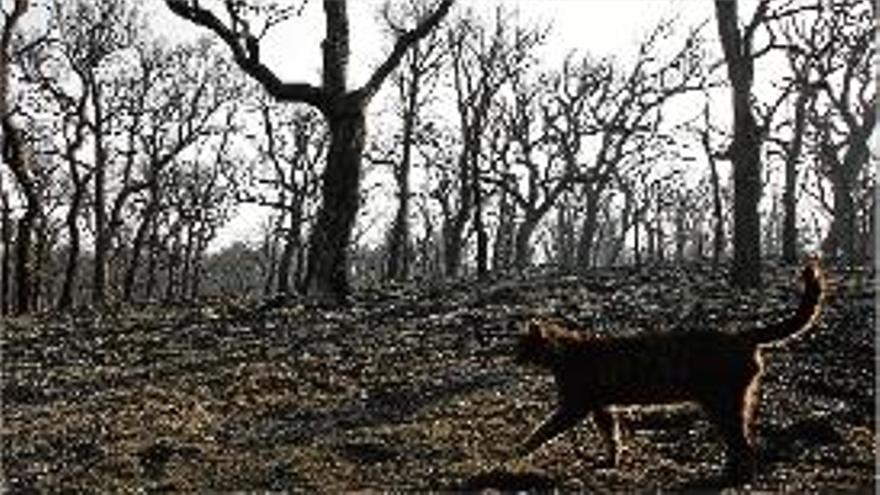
<point x="603" y="27"/>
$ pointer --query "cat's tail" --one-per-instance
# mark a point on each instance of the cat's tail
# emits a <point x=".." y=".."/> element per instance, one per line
<point x="806" y="313"/>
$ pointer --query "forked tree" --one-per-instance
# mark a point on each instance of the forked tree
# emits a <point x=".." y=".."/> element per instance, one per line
<point x="343" y="107"/>
<point x="17" y="156"/>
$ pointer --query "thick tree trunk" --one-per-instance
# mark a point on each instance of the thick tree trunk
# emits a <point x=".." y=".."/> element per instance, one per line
<point x="16" y="157"/>
<point x="565" y="236"/>
<point x="589" y="227"/>
<point x="137" y="247"/>
<point x="291" y="248"/>
<point x="6" y="262"/>
<point x="744" y="151"/>
<point x="841" y="239"/>
<point x="327" y="275"/>
<point x="789" y="198"/>
<point x="503" y="250"/>
<point x="523" y="248"/>
<point x="65" y="299"/>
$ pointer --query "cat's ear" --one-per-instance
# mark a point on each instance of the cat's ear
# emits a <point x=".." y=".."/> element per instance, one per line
<point x="537" y="329"/>
<point x="534" y="328"/>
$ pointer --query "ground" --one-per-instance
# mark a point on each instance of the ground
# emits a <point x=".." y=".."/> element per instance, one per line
<point x="412" y="388"/>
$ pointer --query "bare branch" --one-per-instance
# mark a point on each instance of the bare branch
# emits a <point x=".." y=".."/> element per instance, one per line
<point x="401" y="46"/>
<point x="245" y="52"/>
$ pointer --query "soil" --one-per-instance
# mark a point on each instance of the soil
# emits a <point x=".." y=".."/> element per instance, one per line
<point x="412" y="388"/>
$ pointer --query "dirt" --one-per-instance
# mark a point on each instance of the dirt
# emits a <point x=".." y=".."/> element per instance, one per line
<point x="412" y="388"/>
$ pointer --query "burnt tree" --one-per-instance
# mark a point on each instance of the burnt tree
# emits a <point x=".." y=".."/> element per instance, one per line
<point x="344" y="109"/>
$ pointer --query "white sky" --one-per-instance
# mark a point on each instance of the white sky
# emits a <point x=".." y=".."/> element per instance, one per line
<point x="602" y="27"/>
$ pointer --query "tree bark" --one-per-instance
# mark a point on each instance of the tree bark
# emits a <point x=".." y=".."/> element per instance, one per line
<point x="789" y="196"/>
<point x="327" y="272"/>
<point x="17" y="157"/>
<point x="65" y="299"/>
<point x="588" y="229"/>
<point x="6" y="262"/>
<point x="102" y="241"/>
<point x="746" y="146"/>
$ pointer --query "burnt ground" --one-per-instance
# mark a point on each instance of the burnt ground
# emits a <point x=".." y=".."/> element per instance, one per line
<point x="413" y="389"/>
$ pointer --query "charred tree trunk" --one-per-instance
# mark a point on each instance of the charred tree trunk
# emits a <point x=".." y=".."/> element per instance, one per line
<point x="137" y="247"/>
<point x="480" y="227"/>
<point x="746" y="146"/>
<point x="503" y="251"/>
<point x="6" y="262"/>
<point x="589" y="226"/>
<point x="71" y="266"/>
<point x="718" y="239"/>
<point x="398" y="262"/>
<point x="292" y="248"/>
<point x="789" y="196"/>
<point x="523" y="248"/>
<point x="327" y="273"/>
<point x="17" y="158"/>
<point x="102" y="240"/>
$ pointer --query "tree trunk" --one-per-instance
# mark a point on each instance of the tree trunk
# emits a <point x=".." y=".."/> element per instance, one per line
<point x="397" y="265"/>
<point x="718" y="240"/>
<point x="637" y="249"/>
<point x="523" y="248"/>
<point x="291" y="248"/>
<point x="744" y="150"/>
<point x="327" y="275"/>
<point x="152" y="261"/>
<point x="480" y="228"/>
<point x="588" y="230"/>
<point x="6" y="262"/>
<point x="789" y="197"/>
<point x="16" y="157"/>
<point x="65" y="299"/>
<point x="840" y="241"/>
<point x="504" y="250"/>
<point x="565" y="236"/>
<point x="137" y="247"/>
<point x="102" y="241"/>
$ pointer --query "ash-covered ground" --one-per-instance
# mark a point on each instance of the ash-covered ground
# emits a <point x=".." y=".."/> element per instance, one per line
<point x="412" y="388"/>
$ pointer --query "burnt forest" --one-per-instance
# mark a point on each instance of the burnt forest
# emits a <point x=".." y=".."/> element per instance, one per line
<point x="324" y="246"/>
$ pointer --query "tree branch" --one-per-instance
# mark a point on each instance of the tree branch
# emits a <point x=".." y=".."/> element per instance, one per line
<point x="401" y="46"/>
<point x="246" y="55"/>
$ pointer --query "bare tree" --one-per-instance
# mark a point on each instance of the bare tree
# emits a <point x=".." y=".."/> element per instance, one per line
<point x="540" y="173"/>
<point x="18" y="157"/>
<point x="749" y="134"/>
<point x="484" y="58"/>
<point x="415" y="81"/>
<point x="845" y="117"/>
<point x="344" y="109"/>
<point x="290" y="147"/>
<point x="627" y="110"/>
<point x="176" y="105"/>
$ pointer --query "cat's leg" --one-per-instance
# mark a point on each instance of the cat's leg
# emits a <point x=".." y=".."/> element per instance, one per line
<point x="561" y="419"/>
<point x="610" y="431"/>
<point x="733" y="417"/>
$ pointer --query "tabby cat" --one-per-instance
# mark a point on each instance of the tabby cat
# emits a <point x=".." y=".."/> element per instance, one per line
<point x="719" y="371"/>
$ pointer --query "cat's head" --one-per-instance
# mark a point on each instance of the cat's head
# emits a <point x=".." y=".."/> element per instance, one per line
<point x="533" y="342"/>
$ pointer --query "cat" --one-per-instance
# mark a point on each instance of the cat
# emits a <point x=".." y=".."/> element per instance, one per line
<point x="719" y="371"/>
